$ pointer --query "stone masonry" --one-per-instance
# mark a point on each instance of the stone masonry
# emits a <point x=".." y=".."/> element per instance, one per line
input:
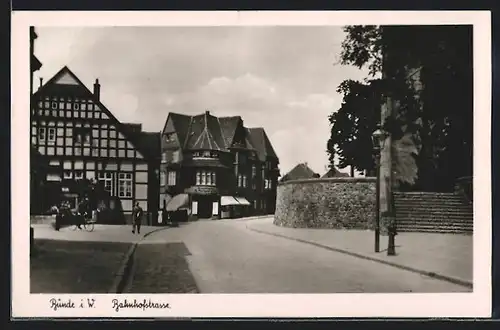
<point x="339" y="203"/>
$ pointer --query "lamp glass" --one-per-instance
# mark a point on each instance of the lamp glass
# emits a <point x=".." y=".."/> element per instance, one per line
<point x="376" y="138"/>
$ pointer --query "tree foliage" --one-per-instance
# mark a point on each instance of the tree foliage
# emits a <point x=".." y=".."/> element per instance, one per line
<point x="428" y="71"/>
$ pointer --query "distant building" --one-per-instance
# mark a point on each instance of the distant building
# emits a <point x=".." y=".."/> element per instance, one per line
<point x="300" y="172"/>
<point x="216" y="167"/>
<point x="81" y="139"/>
<point x="334" y="173"/>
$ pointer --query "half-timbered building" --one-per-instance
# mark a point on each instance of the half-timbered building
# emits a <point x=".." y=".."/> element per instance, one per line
<point x="216" y="167"/>
<point x="81" y="139"/>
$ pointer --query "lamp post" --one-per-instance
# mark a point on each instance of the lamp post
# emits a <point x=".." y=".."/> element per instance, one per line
<point x="378" y="142"/>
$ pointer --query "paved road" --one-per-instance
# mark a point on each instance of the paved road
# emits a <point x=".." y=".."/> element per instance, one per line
<point x="226" y="257"/>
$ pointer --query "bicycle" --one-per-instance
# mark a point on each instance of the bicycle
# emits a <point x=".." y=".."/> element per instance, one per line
<point x="87" y="223"/>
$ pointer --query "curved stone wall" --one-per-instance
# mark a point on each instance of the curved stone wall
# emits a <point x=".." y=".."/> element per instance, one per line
<point x="326" y="203"/>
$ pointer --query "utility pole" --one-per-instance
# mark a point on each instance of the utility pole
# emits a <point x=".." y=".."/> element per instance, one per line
<point x="386" y="170"/>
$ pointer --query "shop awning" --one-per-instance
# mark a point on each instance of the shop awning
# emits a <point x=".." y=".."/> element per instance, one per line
<point x="228" y="200"/>
<point x="177" y="202"/>
<point x="242" y="200"/>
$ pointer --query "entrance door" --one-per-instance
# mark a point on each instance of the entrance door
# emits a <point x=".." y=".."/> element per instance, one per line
<point x="204" y="209"/>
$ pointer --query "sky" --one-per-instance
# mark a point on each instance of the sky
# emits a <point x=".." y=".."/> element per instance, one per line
<point x="283" y="79"/>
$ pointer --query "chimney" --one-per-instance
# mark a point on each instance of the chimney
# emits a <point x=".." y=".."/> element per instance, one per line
<point x="207" y="113"/>
<point x="41" y="83"/>
<point x="97" y="90"/>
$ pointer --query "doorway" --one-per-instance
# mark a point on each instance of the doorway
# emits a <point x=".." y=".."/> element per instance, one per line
<point x="204" y="209"/>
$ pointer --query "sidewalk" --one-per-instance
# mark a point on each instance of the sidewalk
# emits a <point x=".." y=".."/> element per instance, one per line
<point x="445" y="256"/>
<point x="77" y="261"/>
<point x="101" y="233"/>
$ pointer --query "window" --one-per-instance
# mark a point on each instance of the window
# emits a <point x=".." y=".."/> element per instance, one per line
<point x="171" y="178"/>
<point x="51" y="136"/>
<point x="269" y="165"/>
<point x="54" y="105"/>
<point x="169" y="137"/>
<point x="68" y="175"/>
<point x="107" y="179"/>
<point x="263" y="174"/>
<point x="41" y="134"/>
<point x="206" y="154"/>
<point x="125" y="185"/>
<point x="242" y="181"/>
<point x="254" y="171"/>
<point x="268" y="184"/>
<point x="78" y="175"/>
<point x="163" y="179"/>
<point x="205" y="178"/>
<point x="83" y="136"/>
<point x="76" y="106"/>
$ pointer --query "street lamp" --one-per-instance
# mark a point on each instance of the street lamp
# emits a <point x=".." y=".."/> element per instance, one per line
<point x="378" y="139"/>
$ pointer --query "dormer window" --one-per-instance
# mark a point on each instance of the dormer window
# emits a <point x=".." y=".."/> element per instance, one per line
<point x="169" y="137"/>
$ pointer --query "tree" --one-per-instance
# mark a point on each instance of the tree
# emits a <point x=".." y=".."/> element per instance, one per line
<point x="433" y="126"/>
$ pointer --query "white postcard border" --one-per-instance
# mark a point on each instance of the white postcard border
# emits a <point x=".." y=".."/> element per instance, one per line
<point x="476" y="304"/>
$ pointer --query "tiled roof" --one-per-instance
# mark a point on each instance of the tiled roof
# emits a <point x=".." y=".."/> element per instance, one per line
<point x="207" y="132"/>
<point x="148" y="143"/>
<point x="261" y="143"/>
<point x="301" y="171"/>
<point x="228" y="127"/>
<point x="334" y="173"/>
<point x="181" y="124"/>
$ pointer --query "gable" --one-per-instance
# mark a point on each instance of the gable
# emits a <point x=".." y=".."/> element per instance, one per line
<point x="239" y="136"/>
<point x="65" y="100"/>
<point x="169" y="126"/>
<point x="66" y="79"/>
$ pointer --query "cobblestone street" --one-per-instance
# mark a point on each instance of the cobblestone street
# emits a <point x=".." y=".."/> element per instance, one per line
<point x="226" y="257"/>
<point x="161" y="268"/>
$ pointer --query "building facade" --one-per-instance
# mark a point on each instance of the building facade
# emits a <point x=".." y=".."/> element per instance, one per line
<point x="217" y="166"/>
<point x="81" y="139"/>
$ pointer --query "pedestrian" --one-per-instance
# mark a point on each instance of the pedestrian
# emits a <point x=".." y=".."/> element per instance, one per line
<point x="136" y="218"/>
<point x="82" y="212"/>
<point x="55" y="210"/>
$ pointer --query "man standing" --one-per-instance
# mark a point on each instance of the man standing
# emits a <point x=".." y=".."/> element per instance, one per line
<point x="136" y="218"/>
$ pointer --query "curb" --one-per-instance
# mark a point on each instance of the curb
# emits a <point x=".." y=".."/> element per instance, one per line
<point x="447" y="278"/>
<point x="123" y="273"/>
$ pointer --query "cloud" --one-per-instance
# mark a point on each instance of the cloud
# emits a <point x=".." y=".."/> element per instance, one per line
<point x="279" y="78"/>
